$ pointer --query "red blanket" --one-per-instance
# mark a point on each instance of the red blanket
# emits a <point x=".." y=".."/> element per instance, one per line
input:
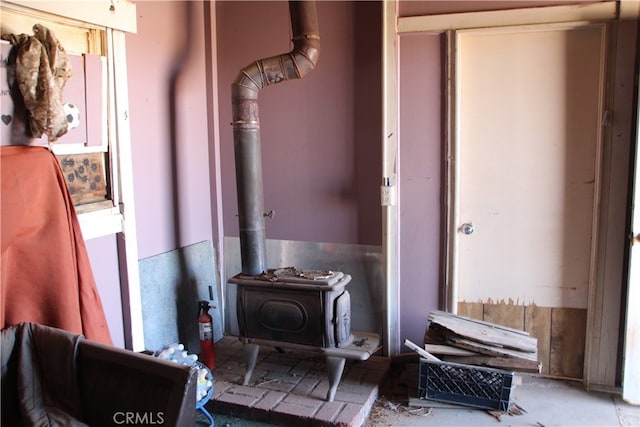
<point x="45" y="270"/>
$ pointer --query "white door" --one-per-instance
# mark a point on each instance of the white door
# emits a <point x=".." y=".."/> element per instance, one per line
<point x="528" y="114"/>
<point x="631" y="357"/>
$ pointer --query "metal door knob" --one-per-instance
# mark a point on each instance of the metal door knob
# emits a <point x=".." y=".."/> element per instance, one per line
<point x="467" y="228"/>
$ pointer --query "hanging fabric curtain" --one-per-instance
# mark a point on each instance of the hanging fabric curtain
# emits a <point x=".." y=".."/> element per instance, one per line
<point x="45" y="271"/>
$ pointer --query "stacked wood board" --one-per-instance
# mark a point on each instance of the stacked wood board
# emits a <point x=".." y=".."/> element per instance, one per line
<point x="469" y="341"/>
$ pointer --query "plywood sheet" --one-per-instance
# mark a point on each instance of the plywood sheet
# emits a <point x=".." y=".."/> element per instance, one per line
<point x="537" y="321"/>
<point x="510" y="315"/>
<point x="568" y="331"/>
<point x="473" y="310"/>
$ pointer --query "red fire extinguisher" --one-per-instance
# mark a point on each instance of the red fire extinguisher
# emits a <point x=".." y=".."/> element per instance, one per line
<point x="205" y="326"/>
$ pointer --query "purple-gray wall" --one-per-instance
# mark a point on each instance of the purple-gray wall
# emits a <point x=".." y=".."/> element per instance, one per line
<point x="420" y="180"/>
<point x="171" y="168"/>
<point x="103" y="256"/>
<point x="320" y="135"/>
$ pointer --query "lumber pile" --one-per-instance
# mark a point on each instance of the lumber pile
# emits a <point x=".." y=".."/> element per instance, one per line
<point x="469" y="341"/>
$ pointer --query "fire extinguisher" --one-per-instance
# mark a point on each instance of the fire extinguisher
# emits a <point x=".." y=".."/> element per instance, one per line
<point x="205" y="326"/>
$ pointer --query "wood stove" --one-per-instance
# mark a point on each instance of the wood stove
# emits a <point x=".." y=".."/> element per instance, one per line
<point x="303" y="309"/>
<point x="310" y="308"/>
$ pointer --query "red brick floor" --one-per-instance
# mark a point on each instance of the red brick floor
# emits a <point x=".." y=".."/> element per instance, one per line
<point x="289" y="388"/>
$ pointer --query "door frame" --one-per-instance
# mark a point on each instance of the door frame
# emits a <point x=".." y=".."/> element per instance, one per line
<point x="454" y="233"/>
<point x="624" y="14"/>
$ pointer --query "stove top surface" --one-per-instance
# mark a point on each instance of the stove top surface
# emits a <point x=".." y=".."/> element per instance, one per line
<point x="293" y="275"/>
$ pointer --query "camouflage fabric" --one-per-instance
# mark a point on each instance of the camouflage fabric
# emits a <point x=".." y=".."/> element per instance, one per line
<point x="41" y="72"/>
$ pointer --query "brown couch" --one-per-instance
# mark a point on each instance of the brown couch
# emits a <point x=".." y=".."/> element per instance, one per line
<point x="53" y="377"/>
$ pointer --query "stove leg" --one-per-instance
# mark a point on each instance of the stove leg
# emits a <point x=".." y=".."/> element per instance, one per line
<point x="335" y="366"/>
<point x="250" y="358"/>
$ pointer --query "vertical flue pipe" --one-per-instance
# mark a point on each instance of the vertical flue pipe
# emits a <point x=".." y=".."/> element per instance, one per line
<point x="246" y="126"/>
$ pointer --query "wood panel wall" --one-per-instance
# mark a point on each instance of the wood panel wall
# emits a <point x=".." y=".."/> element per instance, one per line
<point x="561" y="332"/>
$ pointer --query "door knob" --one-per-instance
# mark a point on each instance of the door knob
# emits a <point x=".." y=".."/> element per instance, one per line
<point x="467" y="228"/>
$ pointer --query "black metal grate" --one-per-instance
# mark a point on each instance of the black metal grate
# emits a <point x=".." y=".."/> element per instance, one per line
<point x="463" y="384"/>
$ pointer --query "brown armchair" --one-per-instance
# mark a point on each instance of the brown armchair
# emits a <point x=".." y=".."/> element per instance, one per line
<point x="56" y="376"/>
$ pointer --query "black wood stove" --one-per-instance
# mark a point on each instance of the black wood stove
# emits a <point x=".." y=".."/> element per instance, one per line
<point x="299" y="307"/>
<point x="302" y="309"/>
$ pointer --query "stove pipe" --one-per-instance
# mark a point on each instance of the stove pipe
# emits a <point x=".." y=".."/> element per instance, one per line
<point x="246" y="126"/>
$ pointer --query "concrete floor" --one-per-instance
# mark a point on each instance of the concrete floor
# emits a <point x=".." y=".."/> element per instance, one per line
<point x="547" y="403"/>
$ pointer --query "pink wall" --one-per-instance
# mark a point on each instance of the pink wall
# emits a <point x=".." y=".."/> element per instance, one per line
<point x="172" y="200"/>
<point x="104" y="263"/>
<point x="420" y="180"/>
<point x="320" y="135"/>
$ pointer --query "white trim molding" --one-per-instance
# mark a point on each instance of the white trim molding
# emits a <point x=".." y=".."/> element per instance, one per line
<point x="510" y="17"/>
<point x="116" y="14"/>
<point x="391" y="337"/>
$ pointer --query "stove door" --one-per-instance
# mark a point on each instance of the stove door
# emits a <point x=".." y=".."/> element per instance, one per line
<point x="281" y="315"/>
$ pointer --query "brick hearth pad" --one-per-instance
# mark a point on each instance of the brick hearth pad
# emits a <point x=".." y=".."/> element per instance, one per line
<point x="288" y="388"/>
